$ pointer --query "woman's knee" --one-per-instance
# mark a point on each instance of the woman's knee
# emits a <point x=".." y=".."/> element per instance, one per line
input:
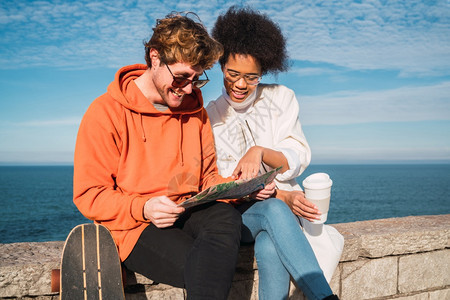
<point x="276" y="208"/>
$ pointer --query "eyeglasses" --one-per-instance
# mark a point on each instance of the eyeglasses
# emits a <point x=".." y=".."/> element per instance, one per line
<point x="181" y="82"/>
<point x="232" y="77"/>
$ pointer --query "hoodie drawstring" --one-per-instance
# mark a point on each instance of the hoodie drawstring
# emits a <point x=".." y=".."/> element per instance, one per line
<point x="142" y="129"/>
<point x="181" y="140"/>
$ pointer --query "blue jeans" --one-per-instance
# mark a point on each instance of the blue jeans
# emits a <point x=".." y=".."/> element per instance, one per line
<point x="281" y="251"/>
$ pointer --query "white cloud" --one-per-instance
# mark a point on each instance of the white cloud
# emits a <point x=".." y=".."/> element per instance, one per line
<point x="304" y="72"/>
<point x="411" y="36"/>
<point x="413" y="103"/>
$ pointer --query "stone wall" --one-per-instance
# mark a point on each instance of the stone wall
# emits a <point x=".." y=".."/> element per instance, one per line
<point x="398" y="258"/>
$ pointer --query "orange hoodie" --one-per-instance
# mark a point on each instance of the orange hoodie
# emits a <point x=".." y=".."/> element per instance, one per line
<point x="128" y="152"/>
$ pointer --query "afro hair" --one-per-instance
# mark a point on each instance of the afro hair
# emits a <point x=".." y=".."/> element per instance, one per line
<point x="245" y="31"/>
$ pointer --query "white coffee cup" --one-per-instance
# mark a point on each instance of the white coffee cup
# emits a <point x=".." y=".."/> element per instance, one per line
<point x="318" y="191"/>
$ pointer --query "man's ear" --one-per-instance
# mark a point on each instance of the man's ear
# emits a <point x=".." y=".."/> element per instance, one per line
<point x="154" y="57"/>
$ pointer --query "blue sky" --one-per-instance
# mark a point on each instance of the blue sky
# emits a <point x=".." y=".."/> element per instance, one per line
<point x="372" y="77"/>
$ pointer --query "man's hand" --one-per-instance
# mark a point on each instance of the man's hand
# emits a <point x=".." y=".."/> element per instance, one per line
<point x="264" y="193"/>
<point x="299" y="205"/>
<point x="162" y="211"/>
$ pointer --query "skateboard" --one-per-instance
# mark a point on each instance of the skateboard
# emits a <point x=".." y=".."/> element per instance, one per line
<point x="90" y="265"/>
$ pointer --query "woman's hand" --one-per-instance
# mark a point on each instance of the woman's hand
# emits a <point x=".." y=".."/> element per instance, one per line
<point x="264" y="193"/>
<point x="248" y="166"/>
<point x="299" y="205"/>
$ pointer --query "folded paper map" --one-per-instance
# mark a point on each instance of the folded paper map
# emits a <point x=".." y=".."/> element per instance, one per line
<point x="231" y="190"/>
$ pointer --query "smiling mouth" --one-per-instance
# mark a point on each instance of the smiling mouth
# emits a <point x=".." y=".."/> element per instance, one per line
<point x="238" y="94"/>
<point x="177" y="94"/>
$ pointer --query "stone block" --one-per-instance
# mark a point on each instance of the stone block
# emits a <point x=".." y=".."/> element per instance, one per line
<point x="369" y="278"/>
<point x="352" y="245"/>
<point x="246" y="267"/>
<point x="395" y="236"/>
<point x="156" y="292"/>
<point x="244" y="289"/>
<point x="295" y="293"/>
<point x="246" y="260"/>
<point x="439" y="295"/>
<point x="336" y="280"/>
<point x="47" y="297"/>
<point x="25" y="268"/>
<point x="419" y="272"/>
<point x="132" y="278"/>
<point x="421" y="296"/>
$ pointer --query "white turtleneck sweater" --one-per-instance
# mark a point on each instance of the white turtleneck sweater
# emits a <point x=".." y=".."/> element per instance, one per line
<point x="267" y="118"/>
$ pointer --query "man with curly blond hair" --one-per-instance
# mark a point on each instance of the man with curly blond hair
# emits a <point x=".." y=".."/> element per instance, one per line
<point x="145" y="146"/>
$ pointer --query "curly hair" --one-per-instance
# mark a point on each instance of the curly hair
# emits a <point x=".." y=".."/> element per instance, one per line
<point x="245" y="31"/>
<point x="178" y="38"/>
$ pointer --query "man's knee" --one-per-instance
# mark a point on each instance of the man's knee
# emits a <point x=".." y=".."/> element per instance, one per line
<point x="224" y="218"/>
<point x="224" y="213"/>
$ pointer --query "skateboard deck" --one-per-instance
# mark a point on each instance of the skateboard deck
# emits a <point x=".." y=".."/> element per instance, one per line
<point x="90" y="266"/>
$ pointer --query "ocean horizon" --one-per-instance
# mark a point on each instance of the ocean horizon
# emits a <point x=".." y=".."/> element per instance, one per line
<point x="37" y="205"/>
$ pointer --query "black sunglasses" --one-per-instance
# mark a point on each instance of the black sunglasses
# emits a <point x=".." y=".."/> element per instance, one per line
<point x="181" y="82"/>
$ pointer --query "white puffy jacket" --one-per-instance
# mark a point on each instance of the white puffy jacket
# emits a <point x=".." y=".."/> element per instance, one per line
<point x="272" y="122"/>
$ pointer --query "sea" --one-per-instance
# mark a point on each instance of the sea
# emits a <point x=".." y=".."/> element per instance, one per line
<point x="36" y="201"/>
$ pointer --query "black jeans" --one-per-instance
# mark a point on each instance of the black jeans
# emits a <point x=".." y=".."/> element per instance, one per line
<point x="199" y="252"/>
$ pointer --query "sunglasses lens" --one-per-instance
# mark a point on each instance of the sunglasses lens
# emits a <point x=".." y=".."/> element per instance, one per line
<point x="180" y="82"/>
<point x="200" y="83"/>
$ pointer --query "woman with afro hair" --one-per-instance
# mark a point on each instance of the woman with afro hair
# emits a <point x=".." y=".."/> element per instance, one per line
<point x="256" y="129"/>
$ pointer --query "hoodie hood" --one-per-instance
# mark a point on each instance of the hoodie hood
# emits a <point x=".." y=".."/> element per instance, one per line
<point x="124" y="90"/>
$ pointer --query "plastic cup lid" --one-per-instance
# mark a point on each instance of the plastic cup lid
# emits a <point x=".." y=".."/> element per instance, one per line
<point x="317" y="181"/>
